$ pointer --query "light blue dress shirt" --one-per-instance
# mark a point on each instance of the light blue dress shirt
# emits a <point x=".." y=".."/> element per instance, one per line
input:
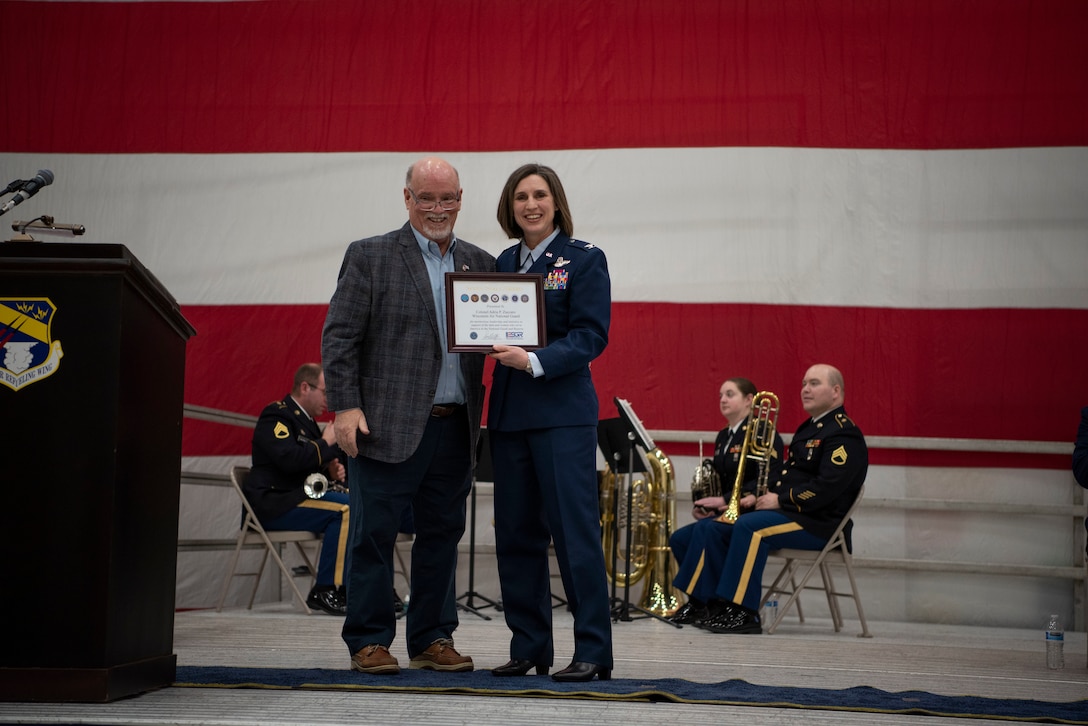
<point x="451" y="382"/>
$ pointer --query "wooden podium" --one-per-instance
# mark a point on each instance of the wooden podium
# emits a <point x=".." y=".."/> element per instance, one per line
<point x="92" y="369"/>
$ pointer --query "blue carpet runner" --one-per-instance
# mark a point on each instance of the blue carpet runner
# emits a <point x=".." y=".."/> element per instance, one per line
<point x="733" y="692"/>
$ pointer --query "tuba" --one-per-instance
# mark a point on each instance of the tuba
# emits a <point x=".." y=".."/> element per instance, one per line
<point x="648" y="556"/>
<point x="759" y="446"/>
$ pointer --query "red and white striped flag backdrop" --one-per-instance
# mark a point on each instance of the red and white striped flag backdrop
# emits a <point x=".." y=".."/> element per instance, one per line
<point x="897" y="188"/>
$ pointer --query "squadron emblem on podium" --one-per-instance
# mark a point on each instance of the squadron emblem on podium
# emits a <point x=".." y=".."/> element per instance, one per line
<point x="28" y="352"/>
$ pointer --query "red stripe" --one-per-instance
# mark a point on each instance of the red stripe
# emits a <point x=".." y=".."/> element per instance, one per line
<point x="489" y="75"/>
<point x="980" y="374"/>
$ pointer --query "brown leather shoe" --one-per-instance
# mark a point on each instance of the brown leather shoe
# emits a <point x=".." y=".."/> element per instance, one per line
<point x="441" y="656"/>
<point x="375" y="659"/>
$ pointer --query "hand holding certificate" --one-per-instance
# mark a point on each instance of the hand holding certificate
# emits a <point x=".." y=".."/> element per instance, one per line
<point x="485" y="309"/>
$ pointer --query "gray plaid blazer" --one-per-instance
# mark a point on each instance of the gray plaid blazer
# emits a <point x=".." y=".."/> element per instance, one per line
<point x="380" y="348"/>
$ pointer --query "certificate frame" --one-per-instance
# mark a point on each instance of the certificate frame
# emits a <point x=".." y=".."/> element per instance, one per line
<point x="494" y="308"/>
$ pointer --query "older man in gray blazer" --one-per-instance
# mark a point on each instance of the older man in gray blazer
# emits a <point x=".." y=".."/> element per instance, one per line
<point x="408" y="417"/>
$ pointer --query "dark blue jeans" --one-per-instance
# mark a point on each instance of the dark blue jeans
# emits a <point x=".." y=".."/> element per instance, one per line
<point x="434" y="482"/>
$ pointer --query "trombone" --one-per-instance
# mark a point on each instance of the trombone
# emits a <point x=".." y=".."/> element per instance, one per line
<point x="759" y="446"/>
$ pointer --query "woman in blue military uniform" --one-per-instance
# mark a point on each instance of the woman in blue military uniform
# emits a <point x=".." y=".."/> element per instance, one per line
<point x="542" y="424"/>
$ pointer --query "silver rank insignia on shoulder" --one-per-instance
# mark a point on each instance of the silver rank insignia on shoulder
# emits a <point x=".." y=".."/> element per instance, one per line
<point x="464" y="268"/>
<point x="589" y="245"/>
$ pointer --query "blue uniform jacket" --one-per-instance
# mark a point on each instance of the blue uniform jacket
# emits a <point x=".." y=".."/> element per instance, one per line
<point x="578" y="311"/>
<point x="726" y="461"/>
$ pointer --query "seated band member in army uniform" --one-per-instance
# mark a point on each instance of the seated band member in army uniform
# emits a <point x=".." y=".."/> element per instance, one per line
<point x="289" y="446"/>
<point x="807" y="498"/>
<point x="735" y="399"/>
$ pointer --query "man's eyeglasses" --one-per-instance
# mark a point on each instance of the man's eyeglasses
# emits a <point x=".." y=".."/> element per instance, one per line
<point x="446" y="204"/>
<point x="314" y="387"/>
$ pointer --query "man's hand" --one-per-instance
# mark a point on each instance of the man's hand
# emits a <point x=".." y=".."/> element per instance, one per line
<point x="336" y="470"/>
<point x="768" y="501"/>
<point x="329" y="434"/>
<point x="348" y="424"/>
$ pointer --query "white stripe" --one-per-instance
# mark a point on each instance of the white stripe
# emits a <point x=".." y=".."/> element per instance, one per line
<point x="916" y="229"/>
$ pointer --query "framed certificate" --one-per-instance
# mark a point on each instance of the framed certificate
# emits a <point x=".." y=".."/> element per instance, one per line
<point x="488" y="308"/>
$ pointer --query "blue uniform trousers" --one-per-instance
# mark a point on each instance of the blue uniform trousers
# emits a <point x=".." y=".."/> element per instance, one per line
<point x="726" y="561"/>
<point x="329" y="516"/>
<point x="546" y="490"/>
<point x="434" y="481"/>
<point x="680" y="540"/>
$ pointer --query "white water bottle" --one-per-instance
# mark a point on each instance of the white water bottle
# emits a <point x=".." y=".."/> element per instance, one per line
<point x="1055" y="641"/>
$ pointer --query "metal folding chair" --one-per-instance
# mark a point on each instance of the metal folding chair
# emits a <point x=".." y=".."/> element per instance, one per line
<point x="253" y="533"/>
<point x="807" y="563"/>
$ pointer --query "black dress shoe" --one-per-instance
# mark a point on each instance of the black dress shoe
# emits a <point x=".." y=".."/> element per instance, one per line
<point x="519" y="667"/>
<point x="692" y="612"/>
<point x="727" y="617"/>
<point x="327" y="600"/>
<point x="578" y="672"/>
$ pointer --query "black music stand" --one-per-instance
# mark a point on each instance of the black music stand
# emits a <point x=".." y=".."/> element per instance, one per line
<point x="484" y="470"/>
<point x="618" y="449"/>
<point x="622" y="435"/>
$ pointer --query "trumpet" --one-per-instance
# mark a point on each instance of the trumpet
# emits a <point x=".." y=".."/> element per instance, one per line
<point x="759" y="446"/>
<point x="316" y="485"/>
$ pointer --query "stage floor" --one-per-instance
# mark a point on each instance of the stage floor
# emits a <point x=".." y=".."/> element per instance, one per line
<point x="940" y="659"/>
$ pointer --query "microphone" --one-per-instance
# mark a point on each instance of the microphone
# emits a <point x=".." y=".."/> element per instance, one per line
<point x="29" y="188"/>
